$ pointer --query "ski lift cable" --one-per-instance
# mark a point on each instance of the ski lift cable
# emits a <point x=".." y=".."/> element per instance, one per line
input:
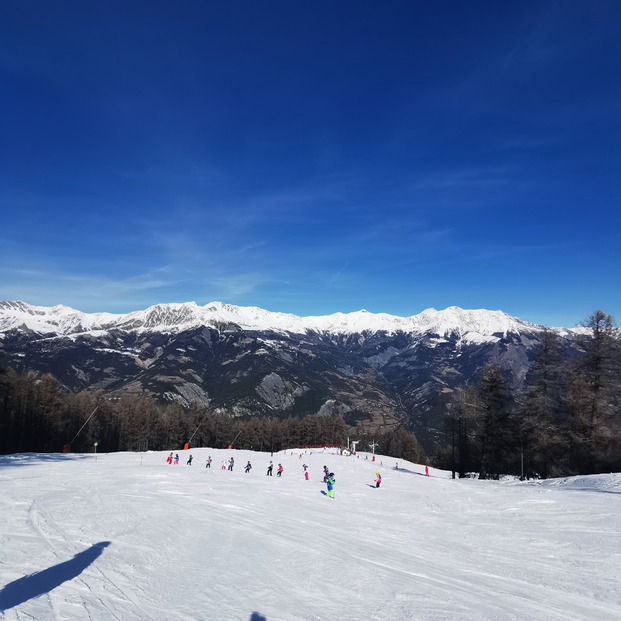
<point x="84" y="425"/>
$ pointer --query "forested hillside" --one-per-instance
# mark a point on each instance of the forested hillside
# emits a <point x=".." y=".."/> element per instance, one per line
<point x="35" y="416"/>
<point x="566" y="421"/>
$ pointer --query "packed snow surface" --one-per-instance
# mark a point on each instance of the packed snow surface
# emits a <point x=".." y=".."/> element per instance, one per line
<point x="127" y="536"/>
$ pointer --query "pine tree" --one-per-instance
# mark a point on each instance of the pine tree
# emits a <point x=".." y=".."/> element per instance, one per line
<point x="494" y="425"/>
<point x="460" y="413"/>
<point x="541" y="442"/>
<point x="593" y="396"/>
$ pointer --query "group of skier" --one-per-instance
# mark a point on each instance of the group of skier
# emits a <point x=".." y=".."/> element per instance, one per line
<point x="170" y="460"/>
<point x="270" y="469"/>
<point x="328" y="477"/>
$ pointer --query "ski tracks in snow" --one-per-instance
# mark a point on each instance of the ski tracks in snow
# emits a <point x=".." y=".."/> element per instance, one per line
<point x="71" y="568"/>
<point x="67" y="600"/>
<point x="190" y="543"/>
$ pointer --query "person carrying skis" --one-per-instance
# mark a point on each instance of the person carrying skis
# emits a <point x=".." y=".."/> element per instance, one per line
<point x="247" y="468"/>
<point x="269" y="469"/>
<point x="280" y="470"/>
<point x="330" y="483"/>
<point x="189" y="461"/>
<point x="378" y="479"/>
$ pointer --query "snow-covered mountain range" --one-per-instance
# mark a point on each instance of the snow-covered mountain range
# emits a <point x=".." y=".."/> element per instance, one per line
<point x="377" y="368"/>
<point x="472" y="325"/>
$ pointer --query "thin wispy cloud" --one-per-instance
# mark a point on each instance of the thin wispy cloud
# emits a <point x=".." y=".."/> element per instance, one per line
<point x="414" y="157"/>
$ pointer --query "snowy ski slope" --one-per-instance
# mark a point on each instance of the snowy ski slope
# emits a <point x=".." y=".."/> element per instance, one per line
<point x="126" y="536"/>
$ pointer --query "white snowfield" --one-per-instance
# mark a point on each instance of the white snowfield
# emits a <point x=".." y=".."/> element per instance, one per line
<point x="126" y="536"/>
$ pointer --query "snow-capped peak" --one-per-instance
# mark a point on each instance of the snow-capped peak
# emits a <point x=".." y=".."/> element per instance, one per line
<point x="479" y="324"/>
<point x="460" y="321"/>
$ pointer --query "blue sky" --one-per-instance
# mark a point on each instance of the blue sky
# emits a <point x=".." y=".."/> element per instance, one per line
<point x="313" y="157"/>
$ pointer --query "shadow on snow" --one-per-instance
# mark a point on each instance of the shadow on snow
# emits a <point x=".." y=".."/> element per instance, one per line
<point x="31" y="459"/>
<point x="28" y="587"/>
<point x="420" y="474"/>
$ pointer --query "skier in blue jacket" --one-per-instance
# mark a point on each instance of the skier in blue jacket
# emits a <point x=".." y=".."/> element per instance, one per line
<point x="330" y="483"/>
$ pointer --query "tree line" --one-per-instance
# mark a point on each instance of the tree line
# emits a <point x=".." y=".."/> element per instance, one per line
<point x="36" y="415"/>
<point x="565" y="422"/>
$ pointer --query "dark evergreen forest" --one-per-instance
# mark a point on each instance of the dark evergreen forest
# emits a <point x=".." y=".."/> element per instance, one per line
<point x="567" y="420"/>
<point x="36" y="416"/>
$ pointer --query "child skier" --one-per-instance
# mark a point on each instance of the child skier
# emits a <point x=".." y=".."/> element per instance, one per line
<point x="330" y="483"/>
<point x="208" y="464"/>
<point x="305" y="471"/>
<point x="169" y="460"/>
<point x="189" y="461"/>
<point x="269" y="469"/>
<point x="247" y="468"/>
<point x="231" y="464"/>
<point x="280" y="469"/>
<point x="176" y="459"/>
<point x="378" y="479"/>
